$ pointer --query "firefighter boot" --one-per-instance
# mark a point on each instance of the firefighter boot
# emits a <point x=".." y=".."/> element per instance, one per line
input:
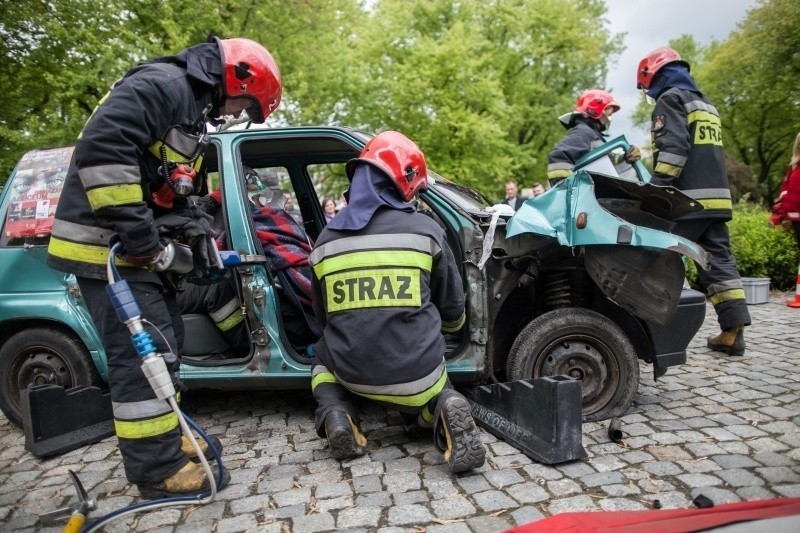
<point x="344" y="438"/>
<point x="730" y="341"/>
<point x="188" y="449"/>
<point x="455" y="433"/>
<point x="188" y="481"/>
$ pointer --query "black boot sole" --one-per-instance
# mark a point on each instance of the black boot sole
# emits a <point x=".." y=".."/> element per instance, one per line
<point x="343" y="444"/>
<point x="467" y="451"/>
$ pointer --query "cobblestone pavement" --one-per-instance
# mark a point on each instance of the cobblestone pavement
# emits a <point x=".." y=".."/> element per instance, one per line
<point x="723" y="427"/>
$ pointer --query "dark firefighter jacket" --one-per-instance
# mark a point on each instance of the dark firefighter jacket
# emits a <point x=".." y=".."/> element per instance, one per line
<point x="114" y="167"/>
<point x="688" y="154"/>
<point x="581" y="138"/>
<point x="384" y="294"/>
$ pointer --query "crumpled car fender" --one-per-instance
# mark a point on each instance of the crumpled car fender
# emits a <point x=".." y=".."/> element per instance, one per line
<point x="570" y="213"/>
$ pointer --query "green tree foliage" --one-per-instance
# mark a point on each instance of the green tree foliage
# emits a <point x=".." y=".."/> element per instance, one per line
<point x="61" y="56"/>
<point x="761" y="250"/>
<point x="754" y="77"/>
<point x="478" y="84"/>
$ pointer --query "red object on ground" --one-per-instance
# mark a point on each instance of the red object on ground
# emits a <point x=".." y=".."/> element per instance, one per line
<point x="663" y="521"/>
<point x="796" y="302"/>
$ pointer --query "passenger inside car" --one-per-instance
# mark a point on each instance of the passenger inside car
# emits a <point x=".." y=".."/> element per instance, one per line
<point x="286" y="247"/>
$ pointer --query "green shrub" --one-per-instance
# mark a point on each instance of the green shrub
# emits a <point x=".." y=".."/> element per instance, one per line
<point x="761" y="251"/>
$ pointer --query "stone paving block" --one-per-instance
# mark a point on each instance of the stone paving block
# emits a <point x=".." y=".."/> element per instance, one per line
<point x="716" y="494"/>
<point x="575" y="503"/>
<point x="239" y="523"/>
<point x="358" y="517"/>
<point x="451" y="527"/>
<point x="408" y="515"/>
<point x="621" y="504"/>
<point x="313" y="522"/>
<point x="333" y="504"/>
<point x="488" y="523"/>
<point x="503" y="478"/>
<point x="526" y="515"/>
<point x="754" y="493"/>
<point x="662" y="468"/>
<point x="367" y="484"/>
<point x="407" y="498"/>
<point x="738" y="477"/>
<point x="401" y="481"/>
<point x="620" y="489"/>
<point x="374" y="499"/>
<point x="563" y="487"/>
<point x="493" y="500"/>
<point x="528" y="492"/>
<point x="722" y="427"/>
<point x="452" y="508"/>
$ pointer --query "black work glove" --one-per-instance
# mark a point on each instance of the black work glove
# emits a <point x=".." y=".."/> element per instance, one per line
<point x="193" y="229"/>
<point x="205" y="204"/>
<point x="144" y="259"/>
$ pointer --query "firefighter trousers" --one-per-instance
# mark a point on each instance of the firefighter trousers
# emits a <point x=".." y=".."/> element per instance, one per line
<point x="721" y="282"/>
<point x="147" y="429"/>
<point x="331" y="395"/>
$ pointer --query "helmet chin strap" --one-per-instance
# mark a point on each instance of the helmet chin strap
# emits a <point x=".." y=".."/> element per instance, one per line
<point x="227" y="121"/>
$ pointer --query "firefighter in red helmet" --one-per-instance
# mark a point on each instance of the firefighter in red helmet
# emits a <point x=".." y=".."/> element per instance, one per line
<point x="385" y="288"/>
<point x="132" y="173"/>
<point x="586" y="127"/>
<point x="688" y="154"/>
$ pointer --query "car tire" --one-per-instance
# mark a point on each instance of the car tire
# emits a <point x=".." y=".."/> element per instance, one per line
<point x="584" y="345"/>
<point x="39" y="356"/>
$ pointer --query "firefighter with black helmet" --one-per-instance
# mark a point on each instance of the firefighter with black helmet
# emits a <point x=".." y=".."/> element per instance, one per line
<point x="133" y="166"/>
<point x="385" y="287"/>
<point x="688" y="154"/>
<point x="586" y="127"/>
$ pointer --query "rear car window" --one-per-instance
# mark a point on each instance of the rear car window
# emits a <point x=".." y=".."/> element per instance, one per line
<point x="33" y="196"/>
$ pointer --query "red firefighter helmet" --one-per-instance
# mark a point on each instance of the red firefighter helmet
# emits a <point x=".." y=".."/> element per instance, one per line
<point x="399" y="158"/>
<point x="594" y="102"/>
<point x="250" y="72"/>
<point x="652" y="63"/>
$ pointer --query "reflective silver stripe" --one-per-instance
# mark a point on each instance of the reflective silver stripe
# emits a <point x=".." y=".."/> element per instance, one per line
<point x="362" y="243"/>
<point x="140" y="410"/>
<point x="722" y="286"/>
<point x="595" y="143"/>
<point x="699" y="194"/>
<point x="398" y="389"/>
<point x="79" y="233"/>
<point x="320" y="369"/>
<point x="560" y="166"/>
<point x="222" y="313"/>
<point x="92" y="177"/>
<point x="698" y="105"/>
<point x="672" y="159"/>
<point x="181" y="142"/>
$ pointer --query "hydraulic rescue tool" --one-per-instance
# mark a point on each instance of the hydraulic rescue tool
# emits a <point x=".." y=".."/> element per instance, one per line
<point x="155" y="369"/>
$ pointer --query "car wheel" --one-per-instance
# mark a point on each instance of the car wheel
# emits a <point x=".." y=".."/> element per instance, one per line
<point x="41" y="357"/>
<point x="584" y="345"/>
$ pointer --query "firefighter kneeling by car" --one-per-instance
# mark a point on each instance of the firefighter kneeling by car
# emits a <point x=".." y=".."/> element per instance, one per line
<point x="385" y="287"/>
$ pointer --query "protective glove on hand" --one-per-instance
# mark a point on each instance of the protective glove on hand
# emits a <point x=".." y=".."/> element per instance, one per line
<point x="632" y="155"/>
<point x="205" y="204"/>
<point x="193" y="229"/>
<point x="146" y="259"/>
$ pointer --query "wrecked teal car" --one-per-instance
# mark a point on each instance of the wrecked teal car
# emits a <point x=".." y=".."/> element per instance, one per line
<point x="584" y="281"/>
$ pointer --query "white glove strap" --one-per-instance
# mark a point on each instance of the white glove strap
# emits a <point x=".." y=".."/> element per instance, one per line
<point x="488" y="241"/>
